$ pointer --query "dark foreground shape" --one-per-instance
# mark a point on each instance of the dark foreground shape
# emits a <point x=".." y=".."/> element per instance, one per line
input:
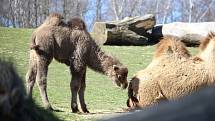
<point x="197" y="107"/>
<point x="13" y="103"/>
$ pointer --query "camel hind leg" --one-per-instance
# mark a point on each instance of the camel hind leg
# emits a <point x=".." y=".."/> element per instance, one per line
<point x="75" y="86"/>
<point x="41" y="78"/>
<point x="31" y="74"/>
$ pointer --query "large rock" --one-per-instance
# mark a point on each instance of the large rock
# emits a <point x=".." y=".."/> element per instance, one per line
<point x="129" y="31"/>
<point x="190" y="33"/>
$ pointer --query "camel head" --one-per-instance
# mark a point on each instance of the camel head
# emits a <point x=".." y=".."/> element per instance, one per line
<point x="207" y="53"/>
<point x="119" y="76"/>
<point x="208" y="43"/>
<point x="207" y="47"/>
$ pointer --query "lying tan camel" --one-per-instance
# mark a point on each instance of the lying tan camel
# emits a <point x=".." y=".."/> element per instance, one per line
<point x="173" y="73"/>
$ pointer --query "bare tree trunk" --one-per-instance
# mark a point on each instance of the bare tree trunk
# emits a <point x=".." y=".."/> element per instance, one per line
<point x="166" y="11"/>
<point x="78" y="9"/>
<point x="46" y="7"/>
<point x="18" y="14"/>
<point x="28" y="14"/>
<point x="65" y="9"/>
<point x="48" y="4"/>
<point x="190" y="10"/>
<point x="98" y="10"/>
<point x="7" y="21"/>
<point x="115" y="9"/>
<point x="35" y="10"/>
<point x="157" y="8"/>
<point x="118" y="9"/>
<point x="134" y="5"/>
<point x="12" y="15"/>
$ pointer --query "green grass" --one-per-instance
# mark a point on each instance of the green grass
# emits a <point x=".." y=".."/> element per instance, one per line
<point x="101" y="95"/>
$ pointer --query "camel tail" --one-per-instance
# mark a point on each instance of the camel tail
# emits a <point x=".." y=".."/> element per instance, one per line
<point x="36" y="47"/>
<point x="33" y="45"/>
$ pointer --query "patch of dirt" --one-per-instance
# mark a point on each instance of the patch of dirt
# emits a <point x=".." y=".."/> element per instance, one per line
<point x="105" y="114"/>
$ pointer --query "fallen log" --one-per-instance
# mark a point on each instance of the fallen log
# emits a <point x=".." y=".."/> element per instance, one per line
<point x="129" y="31"/>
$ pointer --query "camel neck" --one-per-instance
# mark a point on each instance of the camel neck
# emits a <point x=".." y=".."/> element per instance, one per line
<point x="208" y="57"/>
<point x="101" y="62"/>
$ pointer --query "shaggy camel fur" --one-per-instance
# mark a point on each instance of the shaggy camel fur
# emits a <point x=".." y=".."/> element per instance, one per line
<point x="75" y="48"/>
<point x="173" y="73"/>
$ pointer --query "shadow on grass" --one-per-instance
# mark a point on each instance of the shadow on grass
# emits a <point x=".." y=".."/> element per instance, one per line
<point x="103" y="112"/>
<point x="58" y="110"/>
<point x="38" y="113"/>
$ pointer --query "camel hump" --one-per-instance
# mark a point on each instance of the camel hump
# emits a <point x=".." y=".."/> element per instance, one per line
<point x="76" y="23"/>
<point x="171" y="45"/>
<point x="54" y="19"/>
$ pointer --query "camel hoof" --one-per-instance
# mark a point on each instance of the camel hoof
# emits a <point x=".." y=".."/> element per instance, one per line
<point x="86" y="111"/>
<point x="75" y="110"/>
<point x="49" y="108"/>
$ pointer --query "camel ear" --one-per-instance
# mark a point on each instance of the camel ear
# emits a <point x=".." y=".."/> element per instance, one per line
<point x="169" y="50"/>
<point x="115" y="68"/>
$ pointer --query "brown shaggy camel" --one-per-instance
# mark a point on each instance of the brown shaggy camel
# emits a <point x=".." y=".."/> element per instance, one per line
<point x="173" y="73"/>
<point x="73" y="46"/>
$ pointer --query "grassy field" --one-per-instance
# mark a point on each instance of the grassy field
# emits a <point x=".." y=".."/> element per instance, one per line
<point x="101" y="95"/>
